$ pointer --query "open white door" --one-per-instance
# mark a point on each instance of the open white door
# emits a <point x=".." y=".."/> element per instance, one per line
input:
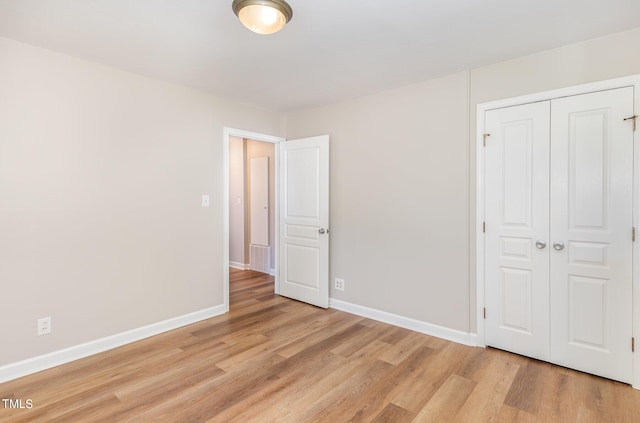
<point x="304" y="220"/>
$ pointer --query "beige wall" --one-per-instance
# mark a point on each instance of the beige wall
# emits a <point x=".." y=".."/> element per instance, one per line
<point x="101" y="173"/>
<point x="399" y="218"/>
<point x="256" y="149"/>
<point x="398" y="194"/>
<point x="237" y="201"/>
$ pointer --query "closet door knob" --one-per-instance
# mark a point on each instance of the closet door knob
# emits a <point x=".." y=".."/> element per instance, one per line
<point x="321" y="231"/>
<point x="558" y="246"/>
<point x="540" y="244"/>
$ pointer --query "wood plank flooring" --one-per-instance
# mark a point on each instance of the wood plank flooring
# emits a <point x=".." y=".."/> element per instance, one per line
<point x="272" y="359"/>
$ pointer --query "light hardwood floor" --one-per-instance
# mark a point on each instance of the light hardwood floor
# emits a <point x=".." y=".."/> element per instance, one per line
<point x="273" y="359"/>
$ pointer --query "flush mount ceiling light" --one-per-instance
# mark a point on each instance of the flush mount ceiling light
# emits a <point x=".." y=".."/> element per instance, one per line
<point x="263" y="16"/>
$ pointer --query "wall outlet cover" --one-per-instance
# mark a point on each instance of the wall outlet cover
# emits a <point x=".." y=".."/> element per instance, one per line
<point x="44" y="326"/>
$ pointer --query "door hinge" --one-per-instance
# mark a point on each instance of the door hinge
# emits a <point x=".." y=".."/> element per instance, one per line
<point x="484" y="227"/>
<point x="632" y="118"/>
<point x="484" y="312"/>
<point x="633" y="344"/>
<point x="633" y="234"/>
<point x="484" y="139"/>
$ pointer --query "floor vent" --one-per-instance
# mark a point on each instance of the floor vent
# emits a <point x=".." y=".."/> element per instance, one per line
<point x="260" y="258"/>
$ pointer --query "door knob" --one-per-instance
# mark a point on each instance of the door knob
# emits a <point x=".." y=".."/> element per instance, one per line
<point x="540" y="244"/>
<point x="558" y="245"/>
<point x="321" y="231"/>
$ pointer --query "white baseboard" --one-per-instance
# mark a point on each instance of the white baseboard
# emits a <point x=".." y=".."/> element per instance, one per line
<point x="454" y="335"/>
<point x="473" y="340"/>
<point x="56" y="358"/>
<point x="240" y="266"/>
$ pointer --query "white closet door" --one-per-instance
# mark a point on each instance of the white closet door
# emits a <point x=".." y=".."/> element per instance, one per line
<point x="517" y="217"/>
<point x="591" y="222"/>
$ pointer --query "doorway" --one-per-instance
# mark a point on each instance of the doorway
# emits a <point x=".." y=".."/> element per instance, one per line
<point x="239" y="148"/>
<point x="301" y="209"/>
<point x="251" y="205"/>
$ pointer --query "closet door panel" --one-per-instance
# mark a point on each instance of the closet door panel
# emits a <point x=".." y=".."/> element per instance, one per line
<point x="590" y="233"/>
<point x="516" y="213"/>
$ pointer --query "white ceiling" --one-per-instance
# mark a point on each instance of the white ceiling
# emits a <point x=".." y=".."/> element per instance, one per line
<point x="330" y="51"/>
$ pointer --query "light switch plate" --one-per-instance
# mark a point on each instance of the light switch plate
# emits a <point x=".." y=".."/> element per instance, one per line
<point x="205" y="201"/>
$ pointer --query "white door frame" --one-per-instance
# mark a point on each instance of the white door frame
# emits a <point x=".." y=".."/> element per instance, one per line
<point x="630" y="81"/>
<point x="231" y="132"/>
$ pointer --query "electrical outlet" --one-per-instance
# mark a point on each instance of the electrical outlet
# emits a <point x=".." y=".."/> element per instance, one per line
<point x="339" y="284"/>
<point x="44" y="326"/>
